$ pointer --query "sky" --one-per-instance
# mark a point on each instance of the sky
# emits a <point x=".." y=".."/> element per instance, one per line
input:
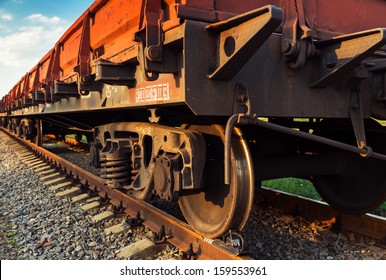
<point x="28" y="30"/>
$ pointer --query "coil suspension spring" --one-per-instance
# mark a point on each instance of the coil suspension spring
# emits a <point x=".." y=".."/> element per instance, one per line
<point x="115" y="161"/>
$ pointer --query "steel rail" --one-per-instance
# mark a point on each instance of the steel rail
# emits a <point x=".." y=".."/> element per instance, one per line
<point x="179" y="233"/>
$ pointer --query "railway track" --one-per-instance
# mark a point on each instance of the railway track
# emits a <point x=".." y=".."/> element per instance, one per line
<point x="168" y="228"/>
<point x="176" y="232"/>
<point x="369" y="225"/>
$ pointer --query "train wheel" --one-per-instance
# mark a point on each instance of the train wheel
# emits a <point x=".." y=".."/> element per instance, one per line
<point x="361" y="187"/>
<point x="218" y="207"/>
<point x="37" y="139"/>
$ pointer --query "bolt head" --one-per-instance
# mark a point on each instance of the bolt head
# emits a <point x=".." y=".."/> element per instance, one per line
<point x="154" y="52"/>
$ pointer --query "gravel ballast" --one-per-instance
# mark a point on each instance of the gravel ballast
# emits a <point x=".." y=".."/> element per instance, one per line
<point x="37" y="225"/>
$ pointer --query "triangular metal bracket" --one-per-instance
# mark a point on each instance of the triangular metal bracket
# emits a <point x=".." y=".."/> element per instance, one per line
<point x="342" y="54"/>
<point x="240" y="37"/>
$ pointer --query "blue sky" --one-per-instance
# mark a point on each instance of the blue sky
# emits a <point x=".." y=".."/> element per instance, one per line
<point x="28" y="30"/>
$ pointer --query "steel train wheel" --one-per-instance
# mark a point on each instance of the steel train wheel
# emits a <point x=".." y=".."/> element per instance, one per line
<point x="362" y="186"/>
<point x="360" y="189"/>
<point x="218" y="207"/>
<point x="37" y="139"/>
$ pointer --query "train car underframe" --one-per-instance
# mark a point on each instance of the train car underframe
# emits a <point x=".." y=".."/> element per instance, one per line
<point x="228" y="112"/>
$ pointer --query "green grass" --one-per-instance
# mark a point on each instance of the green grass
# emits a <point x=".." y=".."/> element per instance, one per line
<point x="8" y="236"/>
<point x="72" y="136"/>
<point x="305" y="188"/>
<point x="381" y="210"/>
<point x="293" y="185"/>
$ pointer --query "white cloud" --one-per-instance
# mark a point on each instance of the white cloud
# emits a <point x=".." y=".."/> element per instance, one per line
<point x="22" y="50"/>
<point x="5" y="16"/>
<point x="39" y="18"/>
<point x="28" y="45"/>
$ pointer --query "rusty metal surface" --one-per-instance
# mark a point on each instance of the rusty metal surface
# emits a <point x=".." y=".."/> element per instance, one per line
<point x="290" y="92"/>
<point x="324" y="17"/>
<point x="344" y="53"/>
<point x="368" y="225"/>
<point x="168" y="157"/>
<point x="287" y="93"/>
<point x="180" y="233"/>
<point x="233" y="49"/>
<point x="121" y="20"/>
<point x="219" y="208"/>
<point x="328" y="17"/>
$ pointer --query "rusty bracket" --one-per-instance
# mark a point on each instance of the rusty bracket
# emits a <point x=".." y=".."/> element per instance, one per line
<point x="356" y="116"/>
<point x="27" y="101"/>
<point x="190" y="254"/>
<point x="55" y="70"/>
<point x="161" y="236"/>
<point x="152" y="56"/>
<point x="134" y="222"/>
<point x="53" y="73"/>
<point x="84" y="187"/>
<point x="83" y="67"/>
<point x="12" y="97"/>
<point x="26" y="85"/>
<point x="240" y="37"/>
<point x="118" y="209"/>
<point x="342" y="54"/>
<point x="44" y="95"/>
<point x="35" y="84"/>
<point x="242" y="102"/>
<point x="85" y="82"/>
<point x="48" y="81"/>
<point x="150" y="32"/>
<point x="296" y="35"/>
<point x="18" y="94"/>
<point x="355" y="107"/>
<point x="115" y="73"/>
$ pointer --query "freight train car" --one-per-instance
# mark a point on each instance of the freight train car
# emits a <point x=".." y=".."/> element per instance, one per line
<point x="200" y="100"/>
